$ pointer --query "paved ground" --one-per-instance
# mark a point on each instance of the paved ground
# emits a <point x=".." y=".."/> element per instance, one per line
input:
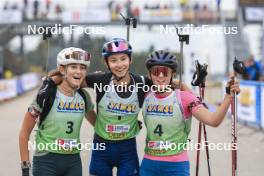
<point x="250" y="142"/>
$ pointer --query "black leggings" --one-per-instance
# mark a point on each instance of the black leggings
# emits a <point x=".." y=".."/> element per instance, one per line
<point x="53" y="164"/>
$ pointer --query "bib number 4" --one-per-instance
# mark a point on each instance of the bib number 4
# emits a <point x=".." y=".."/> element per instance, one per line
<point x="158" y="130"/>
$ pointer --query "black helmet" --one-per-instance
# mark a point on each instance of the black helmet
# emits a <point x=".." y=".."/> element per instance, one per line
<point x="117" y="45"/>
<point x="162" y="58"/>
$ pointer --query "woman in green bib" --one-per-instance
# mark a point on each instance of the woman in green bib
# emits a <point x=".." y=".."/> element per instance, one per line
<point x="167" y="115"/>
<point x="57" y="140"/>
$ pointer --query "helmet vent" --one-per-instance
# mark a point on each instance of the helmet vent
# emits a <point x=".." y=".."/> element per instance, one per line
<point x="116" y="43"/>
<point x="165" y="55"/>
<point x="157" y="54"/>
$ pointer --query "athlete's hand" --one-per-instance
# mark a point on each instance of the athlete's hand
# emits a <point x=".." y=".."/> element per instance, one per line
<point x="232" y="85"/>
<point x="56" y="76"/>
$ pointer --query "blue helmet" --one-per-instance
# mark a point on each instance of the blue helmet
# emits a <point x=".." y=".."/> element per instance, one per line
<point x="162" y="58"/>
<point x="115" y="46"/>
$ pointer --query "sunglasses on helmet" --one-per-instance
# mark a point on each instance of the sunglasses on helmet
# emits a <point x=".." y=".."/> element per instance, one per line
<point x="157" y="70"/>
<point x="78" y="55"/>
<point x="117" y="46"/>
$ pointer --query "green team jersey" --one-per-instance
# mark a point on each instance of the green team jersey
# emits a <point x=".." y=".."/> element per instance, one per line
<point x="116" y="116"/>
<point x="167" y="130"/>
<point x="60" y="131"/>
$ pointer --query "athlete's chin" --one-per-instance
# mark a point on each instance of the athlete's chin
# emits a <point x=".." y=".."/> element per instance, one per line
<point x="76" y="84"/>
<point x="122" y="74"/>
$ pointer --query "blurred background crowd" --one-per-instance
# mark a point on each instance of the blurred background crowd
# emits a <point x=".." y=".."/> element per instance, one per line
<point x="16" y="14"/>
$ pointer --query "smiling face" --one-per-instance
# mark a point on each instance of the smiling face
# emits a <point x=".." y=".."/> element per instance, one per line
<point x="74" y="73"/>
<point x="119" y="64"/>
<point x="161" y="76"/>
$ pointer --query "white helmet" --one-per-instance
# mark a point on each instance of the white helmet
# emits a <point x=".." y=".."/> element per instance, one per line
<point x="73" y="55"/>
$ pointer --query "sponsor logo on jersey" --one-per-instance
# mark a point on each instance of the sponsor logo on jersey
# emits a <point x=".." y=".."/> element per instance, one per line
<point x="64" y="106"/>
<point x="158" y="145"/>
<point x="117" y="128"/>
<point x="117" y="135"/>
<point x="121" y="107"/>
<point x="160" y="109"/>
<point x="67" y="143"/>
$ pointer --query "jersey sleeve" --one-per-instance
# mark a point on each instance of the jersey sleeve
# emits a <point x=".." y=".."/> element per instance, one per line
<point x="187" y="98"/>
<point x="35" y="105"/>
<point x="34" y="109"/>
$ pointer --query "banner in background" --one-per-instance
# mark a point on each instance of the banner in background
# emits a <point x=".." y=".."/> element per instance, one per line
<point x="10" y="16"/>
<point x="246" y="106"/>
<point x="87" y="16"/>
<point x="161" y="15"/>
<point x="8" y="89"/>
<point x="254" y="14"/>
<point x="261" y="105"/>
<point x="249" y="102"/>
<point x="29" y="81"/>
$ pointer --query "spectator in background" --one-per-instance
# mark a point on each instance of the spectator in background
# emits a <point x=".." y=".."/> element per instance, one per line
<point x="110" y="5"/>
<point x="128" y="8"/>
<point x="136" y="12"/>
<point x="58" y="10"/>
<point x="5" y="7"/>
<point x="25" y="3"/>
<point x="253" y="69"/>
<point x="48" y="2"/>
<point x="117" y="9"/>
<point x="24" y="10"/>
<point x="218" y="5"/>
<point x="183" y="4"/>
<point x="205" y="8"/>
<point x="14" y="6"/>
<point x="8" y="74"/>
<point x="36" y="8"/>
<point x="1" y="73"/>
<point x="196" y="7"/>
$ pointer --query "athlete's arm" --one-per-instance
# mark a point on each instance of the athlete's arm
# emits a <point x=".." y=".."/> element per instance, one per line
<point x="91" y="117"/>
<point x="214" y="119"/>
<point x="94" y="79"/>
<point x="27" y="127"/>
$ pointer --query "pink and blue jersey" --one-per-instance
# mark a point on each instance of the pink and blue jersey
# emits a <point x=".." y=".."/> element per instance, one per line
<point x="168" y="122"/>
